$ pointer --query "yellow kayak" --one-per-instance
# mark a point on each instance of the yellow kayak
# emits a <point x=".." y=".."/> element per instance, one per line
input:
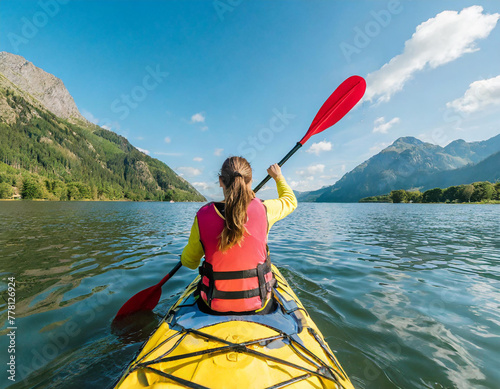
<point x="192" y="349"/>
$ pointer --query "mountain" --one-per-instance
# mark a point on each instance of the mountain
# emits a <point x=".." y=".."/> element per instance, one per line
<point x="412" y="164"/>
<point x="49" y="150"/>
<point x="46" y="88"/>
<point x="485" y="170"/>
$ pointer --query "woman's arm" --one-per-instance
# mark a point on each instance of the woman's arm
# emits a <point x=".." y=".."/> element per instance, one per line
<point x="281" y="207"/>
<point x="193" y="252"/>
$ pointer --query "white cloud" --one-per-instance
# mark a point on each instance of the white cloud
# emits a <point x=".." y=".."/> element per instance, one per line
<point x="202" y="185"/>
<point x="313" y="169"/>
<point x="198" y="118"/>
<point x="109" y="124"/>
<point x="143" y="150"/>
<point x="139" y="137"/>
<point x="204" y="128"/>
<point x="190" y="171"/>
<point x="309" y="182"/>
<point x="167" y="154"/>
<point x="218" y="152"/>
<point x="437" y="41"/>
<point x="167" y="139"/>
<point x="266" y="188"/>
<point x="381" y="126"/>
<point x="379" y="146"/>
<point x="89" y="116"/>
<point x="303" y="185"/>
<point x="479" y="95"/>
<point x="197" y="159"/>
<point x="329" y="177"/>
<point x="317" y="148"/>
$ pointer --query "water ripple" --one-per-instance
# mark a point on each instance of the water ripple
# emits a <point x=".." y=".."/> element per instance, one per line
<point x="407" y="295"/>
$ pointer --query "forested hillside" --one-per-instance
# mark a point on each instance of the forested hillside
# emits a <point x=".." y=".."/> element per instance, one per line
<point x="43" y="156"/>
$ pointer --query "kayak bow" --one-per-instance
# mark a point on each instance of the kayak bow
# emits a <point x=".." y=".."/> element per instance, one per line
<point x="192" y="349"/>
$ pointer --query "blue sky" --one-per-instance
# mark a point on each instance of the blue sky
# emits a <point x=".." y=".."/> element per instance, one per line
<point x="192" y="82"/>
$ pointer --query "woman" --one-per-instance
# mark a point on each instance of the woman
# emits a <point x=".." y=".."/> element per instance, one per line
<point x="232" y="234"/>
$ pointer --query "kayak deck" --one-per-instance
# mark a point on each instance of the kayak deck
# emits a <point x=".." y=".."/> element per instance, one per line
<point x="192" y="349"/>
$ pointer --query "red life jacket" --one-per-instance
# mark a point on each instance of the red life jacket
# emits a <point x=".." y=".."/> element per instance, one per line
<point x="239" y="279"/>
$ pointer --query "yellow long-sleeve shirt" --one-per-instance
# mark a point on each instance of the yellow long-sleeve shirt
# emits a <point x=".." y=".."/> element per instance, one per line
<point x="277" y="209"/>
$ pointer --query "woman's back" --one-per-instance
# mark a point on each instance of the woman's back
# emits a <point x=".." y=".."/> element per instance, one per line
<point x="232" y="235"/>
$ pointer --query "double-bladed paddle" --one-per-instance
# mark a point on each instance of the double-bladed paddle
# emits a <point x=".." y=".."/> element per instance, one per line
<point x="341" y="101"/>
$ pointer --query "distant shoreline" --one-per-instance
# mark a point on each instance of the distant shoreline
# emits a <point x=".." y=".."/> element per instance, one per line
<point x="175" y="202"/>
<point x="97" y="201"/>
<point x="447" y="203"/>
<point x="480" y="192"/>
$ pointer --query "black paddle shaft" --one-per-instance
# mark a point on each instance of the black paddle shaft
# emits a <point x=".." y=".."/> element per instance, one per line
<point x="280" y="163"/>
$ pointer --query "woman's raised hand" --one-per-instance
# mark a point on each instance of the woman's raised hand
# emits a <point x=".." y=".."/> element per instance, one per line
<point x="275" y="172"/>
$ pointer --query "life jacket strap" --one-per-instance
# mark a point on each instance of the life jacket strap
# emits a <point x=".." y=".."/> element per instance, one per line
<point x="260" y="272"/>
<point x="262" y="280"/>
<point x="206" y="269"/>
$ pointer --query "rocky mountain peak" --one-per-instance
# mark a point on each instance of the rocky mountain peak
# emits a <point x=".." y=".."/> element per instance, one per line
<point x="409" y="163"/>
<point x="407" y="140"/>
<point x="457" y="147"/>
<point x="45" y="87"/>
<point x="457" y="142"/>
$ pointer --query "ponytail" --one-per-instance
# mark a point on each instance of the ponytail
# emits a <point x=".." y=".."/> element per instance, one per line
<point x="236" y="174"/>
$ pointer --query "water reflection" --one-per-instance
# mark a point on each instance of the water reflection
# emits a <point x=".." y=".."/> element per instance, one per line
<point x="136" y="327"/>
<point x="408" y="296"/>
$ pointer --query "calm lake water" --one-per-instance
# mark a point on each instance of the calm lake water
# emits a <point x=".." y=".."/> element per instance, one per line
<point x="407" y="295"/>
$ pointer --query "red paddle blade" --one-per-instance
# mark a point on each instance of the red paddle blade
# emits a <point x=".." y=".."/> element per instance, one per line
<point x="145" y="300"/>
<point x="341" y="101"/>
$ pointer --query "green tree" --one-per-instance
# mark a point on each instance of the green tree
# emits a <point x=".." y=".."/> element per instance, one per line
<point x="414" y="196"/>
<point x="31" y="189"/>
<point x="451" y="194"/>
<point x="432" y="195"/>
<point x="398" y="196"/>
<point x="497" y="189"/>
<point x="85" y="191"/>
<point x="73" y="192"/>
<point x="377" y="199"/>
<point x="465" y="193"/>
<point x="483" y="191"/>
<point x="169" y="195"/>
<point x="6" y="191"/>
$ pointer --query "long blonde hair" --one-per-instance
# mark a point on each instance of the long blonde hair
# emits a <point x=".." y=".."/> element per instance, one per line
<point x="235" y="174"/>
